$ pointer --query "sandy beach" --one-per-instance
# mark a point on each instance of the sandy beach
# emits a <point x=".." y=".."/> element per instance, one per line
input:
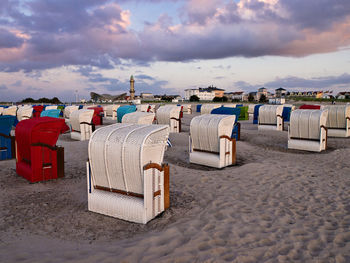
<point x="275" y="205"/>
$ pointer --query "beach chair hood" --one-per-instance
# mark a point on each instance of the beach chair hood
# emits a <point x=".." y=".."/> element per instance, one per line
<point x="207" y="129"/>
<point x="139" y="117"/>
<point x="307" y="123"/>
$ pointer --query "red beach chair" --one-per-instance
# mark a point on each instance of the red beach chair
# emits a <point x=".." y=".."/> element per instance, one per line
<point x="37" y="110"/>
<point x="37" y="156"/>
<point x="97" y="118"/>
<point x="310" y="107"/>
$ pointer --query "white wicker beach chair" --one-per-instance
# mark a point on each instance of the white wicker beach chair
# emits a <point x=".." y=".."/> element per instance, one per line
<point x="12" y="110"/>
<point x="139" y="117"/>
<point x="81" y="124"/>
<point x="69" y="109"/>
<point x="110" y="111"/>
<point x="126" y="177"/>
<point x="187" y="108"/>
<point x="270" y="117"/>
<point x="142" y="107"/>
<point x="169" y="115"/>
<point x="152" y="108"/>
<point x="25" y="112"/>
<point x="207" y="108"/>
<point x="307" y="130"/>
<point x="51" y="107"/>
<point x="251" y="110"/>
<point x="338" y="121"/>
<point x="210" y="140"/>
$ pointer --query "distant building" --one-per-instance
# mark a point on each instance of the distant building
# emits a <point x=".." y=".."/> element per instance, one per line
<point x="254" y="95"/>
<point x="204" y="93"/>
<point x="147" y="96"/>
<point x="261" y="91"/>
<point x="280" y="92"/>
<point x="238" y="96"/>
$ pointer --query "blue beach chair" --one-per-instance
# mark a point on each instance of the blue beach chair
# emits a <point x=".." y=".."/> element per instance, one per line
<point x="7" y="142"/>
<point x="256" y="113"/>
<point x="121" y="111"/>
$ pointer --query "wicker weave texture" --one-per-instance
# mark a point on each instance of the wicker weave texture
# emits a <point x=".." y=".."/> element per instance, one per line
<point x="10" y="111"/>
<point x="69" y="109"/>
<point x="337" y="116"/>
<point x="268" y="114"/>
<point x="24" y="112"/>
<point x="206" y="130"/>
<point x="142" y="107"/>
<point x="110" y="110"/>
<point x="207" y="108"/>
<point x="306" y="124"/>
<point x="79" y="116"/>
<point x="165" y="113"/>
<point x="119" y="152"/>
<point x="139" y="117"/>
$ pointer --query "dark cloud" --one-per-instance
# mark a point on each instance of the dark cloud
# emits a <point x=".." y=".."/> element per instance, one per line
<point x="316" y="14"/>
<point x="9" y="40"/>
<point x="96" y="33"/>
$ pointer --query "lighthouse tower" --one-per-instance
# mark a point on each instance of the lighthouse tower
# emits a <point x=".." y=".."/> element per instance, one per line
<point x="132" y="88"/>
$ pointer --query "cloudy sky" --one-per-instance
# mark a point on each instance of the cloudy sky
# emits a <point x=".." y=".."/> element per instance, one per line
<point x="60" y="47"/>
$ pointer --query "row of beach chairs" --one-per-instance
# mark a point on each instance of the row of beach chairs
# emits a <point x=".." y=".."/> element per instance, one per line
<point x="126" y="176"/>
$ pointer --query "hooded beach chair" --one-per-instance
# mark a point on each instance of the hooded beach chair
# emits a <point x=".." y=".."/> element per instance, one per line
<point x="251" y="110"/>
<point x="12" y="110"/>
<point x="187" y="108"/>
<point x="51" y="113"/>
<point x="338" y="120"/>
<point x="97" y="118"/>
<point x="142" y="107"/>
<point x="152" y="108"/>
<point x="51" y="107"/>
<point x="110" y="111"/>
<point x="121" y="111"/>
<point x="207" y="108"/>
<point x="24" y="112"/>
<point x="307" y="130"/>
<point x="68" y="110"/>
<point x="256" y="113"/>
<point x="170" y="115"/>
<point x="270" y="117"/>
<point x="125" y="172"/>
<point x="210" y="140"/>
<point x="198" y="107"/>
<point x="81" y="124"/>
<point x="55" y="114"/>
<point x="139" y="117"/>
<point x="7" y="142"/>
<point x="37" y="110"/>
<point x="236" y="131"/>
<point x="37" y="156"/>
